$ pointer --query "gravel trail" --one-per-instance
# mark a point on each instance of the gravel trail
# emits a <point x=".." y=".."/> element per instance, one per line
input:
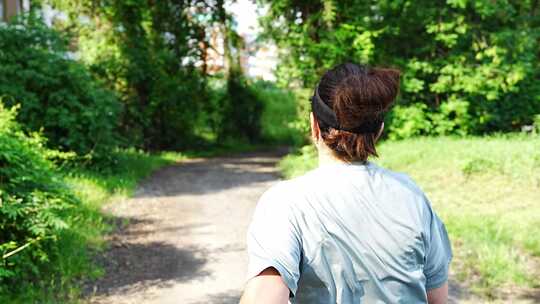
<point x="182" y="236"/>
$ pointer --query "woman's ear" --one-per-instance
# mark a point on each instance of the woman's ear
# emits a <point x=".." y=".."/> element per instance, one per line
<point x="315" y="131"/>
<point x="380" y="132"/>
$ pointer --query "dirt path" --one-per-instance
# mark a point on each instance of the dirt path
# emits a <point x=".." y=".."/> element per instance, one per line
<point x="182" y="235"/>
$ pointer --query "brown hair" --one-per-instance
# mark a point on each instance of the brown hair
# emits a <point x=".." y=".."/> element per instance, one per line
<point x="357" y="94"/>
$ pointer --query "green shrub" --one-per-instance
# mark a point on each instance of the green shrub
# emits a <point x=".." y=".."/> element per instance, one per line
<point x="147" y="52"/>
<point x="174" y="113"/>
<point x="33" y="202"/>
<point x="452" y="118"/>
<point x="303" y="107"/>
<point x="57" y="94"/>
<point x="409" y="121"/>
<point x="279" y="115"/>
<point x="536" y="123"/>
<point x="240" y="111"/>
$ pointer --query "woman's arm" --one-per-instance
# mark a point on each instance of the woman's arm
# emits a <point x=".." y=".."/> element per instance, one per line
<point x="438" y="295"/>
<point x="266" y="288"/>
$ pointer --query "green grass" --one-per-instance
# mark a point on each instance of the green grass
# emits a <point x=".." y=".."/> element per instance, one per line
<point x="73" y="263"/>
<point x="486" y="189"/>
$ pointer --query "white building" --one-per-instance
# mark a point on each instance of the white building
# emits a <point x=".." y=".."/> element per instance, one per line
<point x="259" y="60"/>
<point x="10" y="8"/>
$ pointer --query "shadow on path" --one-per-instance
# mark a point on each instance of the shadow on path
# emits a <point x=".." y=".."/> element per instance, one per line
<point x="533" y="295"/>
<point x="145" y="264"/>
<point x="228" y="297"/>
<point x="206" y="176"/>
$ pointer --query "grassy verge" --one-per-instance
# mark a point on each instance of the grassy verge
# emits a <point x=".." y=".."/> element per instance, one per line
<point x="77" y="245"/>
<point x="487" y="190"/>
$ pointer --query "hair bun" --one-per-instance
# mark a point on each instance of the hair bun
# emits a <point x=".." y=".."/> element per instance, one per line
<point x="387" y="81"/>
<point x="358" y="95"/>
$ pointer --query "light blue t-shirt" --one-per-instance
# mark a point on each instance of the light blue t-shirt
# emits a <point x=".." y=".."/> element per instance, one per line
<point x="350" y="233"/>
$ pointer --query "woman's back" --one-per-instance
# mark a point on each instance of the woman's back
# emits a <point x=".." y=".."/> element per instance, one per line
<point x="350" y="233"/>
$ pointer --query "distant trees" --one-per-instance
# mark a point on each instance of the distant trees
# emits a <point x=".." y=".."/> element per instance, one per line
<point x="154" y="55"/>
<point x="468" y="66"/>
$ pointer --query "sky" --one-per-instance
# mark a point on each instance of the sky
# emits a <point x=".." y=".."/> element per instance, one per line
<point x="245" y="13"/>
<point x="263" y="62"/>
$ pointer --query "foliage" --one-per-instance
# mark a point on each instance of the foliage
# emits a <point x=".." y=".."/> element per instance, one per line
<point x="485" y="189"/>
<point x="409" y="121"/>
<point x="536" y="123"/>
<point x="155" y="54"/>
<point x="416" y="119"/>
<point x="233" y="114"/>
<point x="33" y="204"/>
<point x="473" y="64"/>
<point x="57" y="95"/>
<point x="61" y="209"/>
<point x="302" y="124"/>
<point x="240" y="111"/>
<point x="280" y="114"/>
<point x="452" y="118"/>
<point x="300" y="162"/>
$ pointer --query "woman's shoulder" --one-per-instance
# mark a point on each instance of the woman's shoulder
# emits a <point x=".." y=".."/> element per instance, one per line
<point x="330" y="177"/>
<point x="284" y="189"/>
<point x="397" y="178"/>
<point x="327" y="180"/>
<point x="285" y="193"/>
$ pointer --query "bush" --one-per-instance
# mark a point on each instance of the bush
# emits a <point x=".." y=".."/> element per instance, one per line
<point x="147" y="53"/>
<point x="279" y="115"/>
<point x="33" y="203"/>
<point x="303" y="107"/>
<point x="409" y="121"/>
<point x="174" y="113"/>
<point x="240" y="112"/>
<point x="57" y="94"/>
<point x="536" y="123"/>
<point x="451" y="118"/>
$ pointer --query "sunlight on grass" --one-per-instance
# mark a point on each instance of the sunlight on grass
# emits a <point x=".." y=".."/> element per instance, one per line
<point x="487" y="190"/>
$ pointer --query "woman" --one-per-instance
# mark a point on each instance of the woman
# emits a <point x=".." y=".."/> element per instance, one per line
<point x="348" y="231"/>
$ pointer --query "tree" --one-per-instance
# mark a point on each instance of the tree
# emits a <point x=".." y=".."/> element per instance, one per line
<point x="146" y="51"/>
<point x="240" y="108"/>
<point x="154" y="54"/>
<point x="57" y="95"/>
<point x="474" y="64"/>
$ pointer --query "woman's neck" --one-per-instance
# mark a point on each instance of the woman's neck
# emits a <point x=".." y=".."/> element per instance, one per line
<point x="326" y="157"/>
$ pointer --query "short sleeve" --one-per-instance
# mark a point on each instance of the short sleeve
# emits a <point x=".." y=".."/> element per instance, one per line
<point x="273" y="240"/>
<point x="438" y="250"/>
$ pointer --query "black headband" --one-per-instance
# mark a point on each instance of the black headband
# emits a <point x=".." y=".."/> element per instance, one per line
<point x="327" y="118"/>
